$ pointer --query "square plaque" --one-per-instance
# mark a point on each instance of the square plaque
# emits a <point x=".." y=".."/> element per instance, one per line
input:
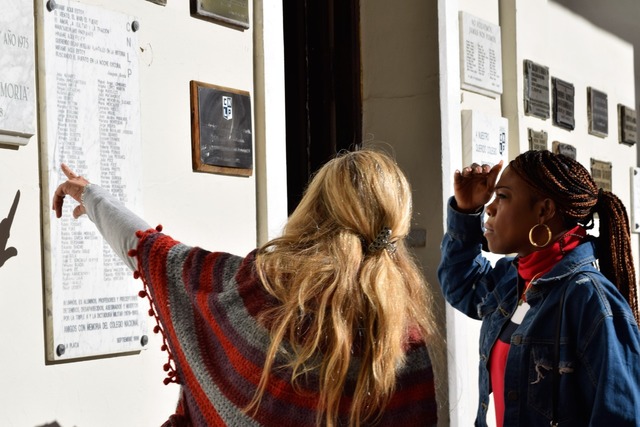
<point x="563" y="104"/>
<point x="627" y="125"/>
<point x="537" y="139"/>
<point x="601" y="173"/>
<point x="221" y="130"/>
<point x="536" y="90"/>
<point x="565" y="149"/>
<point x="598" y="112"/>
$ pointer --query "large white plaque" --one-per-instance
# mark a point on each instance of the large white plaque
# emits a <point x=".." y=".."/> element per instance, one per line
<point x="90" y="116"/>
<point x="480" y="55"/>
<point x="17" y="72"/>
<point x="484" y="138"/>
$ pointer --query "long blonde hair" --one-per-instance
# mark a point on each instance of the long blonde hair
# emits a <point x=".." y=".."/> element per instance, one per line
<point x="336" y="295"/>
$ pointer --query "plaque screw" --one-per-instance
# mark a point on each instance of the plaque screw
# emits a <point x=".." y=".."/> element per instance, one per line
<point x="60" y="349"/>
<point x="135" y="26"/>
<point x="637" y="226"/>
<point x="51" y="5"/>
<point x="144" y="340"/>
<point x="635" y="172"/>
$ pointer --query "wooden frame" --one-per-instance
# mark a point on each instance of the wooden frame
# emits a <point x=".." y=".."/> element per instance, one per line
<point x="221" y="130"/>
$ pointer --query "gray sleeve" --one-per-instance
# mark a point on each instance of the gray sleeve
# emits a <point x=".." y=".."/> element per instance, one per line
<point x="116" y="223"/>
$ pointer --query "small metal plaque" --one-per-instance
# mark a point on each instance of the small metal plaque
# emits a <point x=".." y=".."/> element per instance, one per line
<point x="627" y="125"/>
<point x="231" y="12"/>
<point x="598" y="112"/>
<point x="222" y="137"/>
<point x="563" y="104"/>
<point x="536" y="90"/>
<point x="537" y="139"/>
<point x="601" y="173"/>
<point x="565" y="149"/>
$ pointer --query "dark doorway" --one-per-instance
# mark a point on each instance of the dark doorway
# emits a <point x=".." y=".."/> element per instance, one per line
<point x="322" y="86"/>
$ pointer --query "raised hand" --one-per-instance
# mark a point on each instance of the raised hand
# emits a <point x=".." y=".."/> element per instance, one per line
<point x="474" y="185"/>
<point x="74" y="186"/>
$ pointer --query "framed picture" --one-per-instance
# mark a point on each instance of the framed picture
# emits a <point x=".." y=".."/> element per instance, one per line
<point x="221" y="130"/>
<point x="232" y="12"/>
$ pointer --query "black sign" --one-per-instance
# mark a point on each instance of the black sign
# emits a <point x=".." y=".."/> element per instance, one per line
<point x="598" y="112"/>
<point x="536" y="90"/>
<point x="563" y="104"/>
<point x="627" y="125"/>
<point x="565" y="149"/>
<point x="221" y="127"/>
<point x="537" y="140"/>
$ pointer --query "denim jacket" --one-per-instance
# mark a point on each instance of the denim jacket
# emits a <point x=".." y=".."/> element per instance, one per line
<point x="599" y="356"/>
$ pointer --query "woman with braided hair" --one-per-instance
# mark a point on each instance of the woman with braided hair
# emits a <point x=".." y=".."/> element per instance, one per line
<point x="329" y="324"/>
<point x="559" y="342"/>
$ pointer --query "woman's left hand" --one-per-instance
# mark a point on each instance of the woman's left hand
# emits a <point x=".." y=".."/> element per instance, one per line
<point x="74" y="187"/>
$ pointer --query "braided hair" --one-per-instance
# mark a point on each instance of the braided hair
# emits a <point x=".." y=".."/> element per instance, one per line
<point x="577" y="198"/>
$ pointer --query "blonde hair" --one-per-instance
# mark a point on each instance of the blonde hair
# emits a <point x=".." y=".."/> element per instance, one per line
<point x="337" y="297"/>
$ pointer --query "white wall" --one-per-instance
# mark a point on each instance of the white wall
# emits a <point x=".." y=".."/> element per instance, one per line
<point x="213" y="211"/>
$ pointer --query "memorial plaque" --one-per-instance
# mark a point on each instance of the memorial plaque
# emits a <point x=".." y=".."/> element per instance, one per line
<point x="233" y="12"/>
<point x="563" y="104"/>
<point x="90" y="120"/>
<point x="627" y="125"/>
<point x="484" y="138"/>
<point x="601" y="173"/>
<point x="17" y="72"/>
<point x="536" y="90"/>
<point x="480" y="55"/>
<point x="598" y="112"/>
<point x="565" y="149"/>
<point x="537" y="140"/>
<point x="222" y="138"/>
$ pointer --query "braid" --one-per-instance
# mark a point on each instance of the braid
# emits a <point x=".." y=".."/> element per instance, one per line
<point x="576" y="195"/>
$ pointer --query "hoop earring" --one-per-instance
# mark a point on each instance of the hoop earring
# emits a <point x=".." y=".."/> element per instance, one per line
<point x="549" y="236"/>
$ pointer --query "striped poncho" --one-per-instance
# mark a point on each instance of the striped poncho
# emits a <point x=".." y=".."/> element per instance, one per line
<point x="207" y="307"/>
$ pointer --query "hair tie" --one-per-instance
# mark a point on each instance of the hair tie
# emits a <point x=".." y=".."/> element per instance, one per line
<point x="382" y="242"/>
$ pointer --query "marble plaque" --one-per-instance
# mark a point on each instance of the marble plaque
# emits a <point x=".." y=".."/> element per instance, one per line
<point x="537" y="139"/>
<point x="601" y="173"/>
<point x="597" y="112"/>
<point x="480" y="55"/>
<point x="565" y="149"/>
<point x="563" y="104"/>
<point x="484" y="138"/>
<point x="90" y="120"/>
<point x="627" y="125"/>
<point x="17" y="72"/>
<point x="536" y="90"/>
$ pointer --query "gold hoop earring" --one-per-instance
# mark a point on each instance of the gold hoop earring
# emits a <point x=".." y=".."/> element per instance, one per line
<point x="549" y="236"/>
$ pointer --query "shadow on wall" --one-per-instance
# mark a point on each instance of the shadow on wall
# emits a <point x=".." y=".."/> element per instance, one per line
<point x="5" y="228"/>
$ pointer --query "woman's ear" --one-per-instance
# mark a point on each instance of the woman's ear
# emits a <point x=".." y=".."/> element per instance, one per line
<point x="547" y="209"/>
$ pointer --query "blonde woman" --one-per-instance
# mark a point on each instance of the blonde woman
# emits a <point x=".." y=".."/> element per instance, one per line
<point x="326" y="325"/>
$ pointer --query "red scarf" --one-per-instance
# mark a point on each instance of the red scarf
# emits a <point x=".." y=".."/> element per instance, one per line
<point x="540" y="262"/>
